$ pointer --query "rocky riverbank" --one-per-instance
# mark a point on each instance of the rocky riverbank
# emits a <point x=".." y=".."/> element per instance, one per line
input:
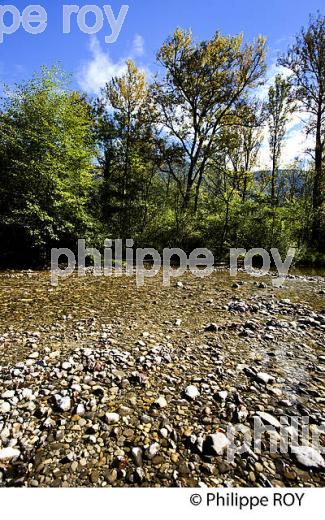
<point x="106" y="384"/>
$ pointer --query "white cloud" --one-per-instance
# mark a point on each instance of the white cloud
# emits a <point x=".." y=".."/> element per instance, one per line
<point x="296" y="142"/>
<point x="262" y="91"/>
<point x="138" y="45"/>
<point x="95" y="73"/>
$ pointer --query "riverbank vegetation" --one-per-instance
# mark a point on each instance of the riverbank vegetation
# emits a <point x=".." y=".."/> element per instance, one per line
<point x="171" y="160"/>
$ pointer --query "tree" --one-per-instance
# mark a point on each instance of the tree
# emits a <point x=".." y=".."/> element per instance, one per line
<point x="306" y="60"/>
<point x="46" y="154"/>
<point x="128" y="152"/>
<point x="240" y="143"/>
<point x="278" y="108"/>
<point x="202" y="84"/>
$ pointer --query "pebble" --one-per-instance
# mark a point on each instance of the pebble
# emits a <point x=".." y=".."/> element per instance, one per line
<point x="269" y="419"/>
<point x="112" y="418"/>
<point x="153" y="450"/>
<point x="7" y="454"/>
<point x="80" y="410"/>
<point x="5" y="407"/>
<point x="263" y="377"/>
<point x="223" y="394"/>
<point x="94" y="477"/>
<point x="161" y="402"/>
<point x="74" y="466"/>
<point x="211" y="327"/>
<point x="192" y="392"/>
<point x="63" y="403"/>
<point x="127" y="421"/>
<point x="308" y="457"/>
<point x="111" y="476"/>
<point x="27" y="393"/>
<point x="137" y="456"/>
<point x="9" y="394"/>
<point x="218" y="442"/>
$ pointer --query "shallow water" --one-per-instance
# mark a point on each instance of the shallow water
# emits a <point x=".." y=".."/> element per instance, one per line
<point x="112" y="313"/>
<point x="308" y="271"/>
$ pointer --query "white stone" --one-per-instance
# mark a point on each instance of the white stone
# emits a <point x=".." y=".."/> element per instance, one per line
<point x="64" y="403"/>
<point x="112" y="418"/>
<point x="266" y="417"/>
<point x="263" y="377"/>
<point x="31" y="406"/>
<point x="8" y="394"/>
<point x="9" y="453"/>
<point x="192" y="392"/>
<point x="153" y="450"/>
<point x="219" y="442"/>
<point x="275" y="391"/>
<point x="5" y="434"/>
<point x="137" y="456"/>
<point x="80" y="410"/>
<point x="5" y="407"/>
<point x="164" y="432"/>
<point x="54" y="354"/>
<point x="308" y="456"/>
<point x="161" y="402"/>
<point x="27" y="393"/>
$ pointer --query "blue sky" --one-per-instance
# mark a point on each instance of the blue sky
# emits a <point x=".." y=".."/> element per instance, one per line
<point x="147" y="24"/>
<point x="21" y="53"/>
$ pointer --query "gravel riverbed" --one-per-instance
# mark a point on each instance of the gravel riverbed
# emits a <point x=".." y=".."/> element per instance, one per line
<point x="106" y="384"/>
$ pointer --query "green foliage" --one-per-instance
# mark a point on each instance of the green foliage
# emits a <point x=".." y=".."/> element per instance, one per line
<point x="169" y="163"/>
<point x="127" y="152"/>
<point x="203" y="83"/>
<point x="305" y="60"/>
<point x="46" y="153"/>
<point x="278" y="107"/>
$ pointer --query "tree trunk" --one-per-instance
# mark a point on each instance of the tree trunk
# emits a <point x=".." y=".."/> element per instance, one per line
<point x="273" y="180"/>
<point x="225" y="228"/>
<point x="244" y="187"/>
<point x="318" y="195"/>
<point x="197" y="192"/>
<point x="188" y="192"/>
